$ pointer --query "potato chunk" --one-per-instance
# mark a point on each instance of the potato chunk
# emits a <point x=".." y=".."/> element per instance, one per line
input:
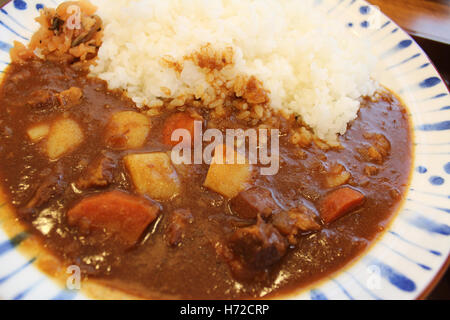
<point x="153" y="175"/>
<point x="99" y="173"/>
<point x="70" y="98"/>
<point x="64" y="136"/>
<point x="229" y="176"/>
<point x="38" y="132"/>
<point x="127" y="130"/>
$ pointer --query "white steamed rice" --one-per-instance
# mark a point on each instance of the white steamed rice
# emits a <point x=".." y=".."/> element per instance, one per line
<point x="310" y="64"/>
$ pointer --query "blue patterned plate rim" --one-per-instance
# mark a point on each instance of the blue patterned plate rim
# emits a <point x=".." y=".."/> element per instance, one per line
<point x="408" y="258"/>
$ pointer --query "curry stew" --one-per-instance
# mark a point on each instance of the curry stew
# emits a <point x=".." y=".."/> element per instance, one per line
<point x="91" y="175"/>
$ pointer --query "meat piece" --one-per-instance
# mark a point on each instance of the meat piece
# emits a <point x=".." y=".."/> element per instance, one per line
<point x="239" y="270"/>
<point x="394" y="193"/>
<point x="52" y="186"/>
<point x="127" y="130"/>
<point x="251" y="202"/>
<point x="380" y="142"/>
<point x="176" y="121"/>
<point x="116" y="213"/>
<point x="258" y="246"/>
<point x="374" y="155"/>
<point x="70" y="98"/>
<point x="179" y="220"/>
<point x="371" y="171"/>
<point x="153" y="175"/>
<point x="291" y="223"/>
<point x="337" y="176"/>
<point x="98" y="174"/>
<point x="229" y="172"/>
<point x="339" y="202"/>
<point x="378" y="151"/>
<point x="42" y="99"/>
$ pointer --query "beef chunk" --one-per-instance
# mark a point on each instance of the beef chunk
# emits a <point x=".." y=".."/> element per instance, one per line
<point x="258" y="246"/>
<point x="98" y="174"/>
<point x="237" y="267"/>
<point x="179" y="220"/>
<point x="371" y="171"/>
<point x="45" y="99"/>
<point x="336" y="176"/>
<point x="42" y="99"/>
<point x="380" y="142"/>
<point x="378" y="150"/>
<point x="291" y="223"/>
<point x="251" y="202"/>
<point x="70" y="98"/>
<point x="52" y="186"/>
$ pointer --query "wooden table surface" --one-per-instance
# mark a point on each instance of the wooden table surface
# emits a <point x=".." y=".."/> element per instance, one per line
<point x="428" y="19"/>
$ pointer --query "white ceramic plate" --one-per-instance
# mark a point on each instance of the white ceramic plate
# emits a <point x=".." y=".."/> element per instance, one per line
<point x="407" y="257"/>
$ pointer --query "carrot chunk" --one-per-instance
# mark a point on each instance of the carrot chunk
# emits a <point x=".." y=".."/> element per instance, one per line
<point x="118" y="213"/>
<point x="176" y="121"/>
<point x="339" y="202"/>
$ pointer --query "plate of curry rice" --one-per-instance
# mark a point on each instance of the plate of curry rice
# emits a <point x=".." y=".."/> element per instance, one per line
<point x="219" y="149"/>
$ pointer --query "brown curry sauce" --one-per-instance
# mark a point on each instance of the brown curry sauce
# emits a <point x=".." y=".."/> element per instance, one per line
<point x="194" y="267"/>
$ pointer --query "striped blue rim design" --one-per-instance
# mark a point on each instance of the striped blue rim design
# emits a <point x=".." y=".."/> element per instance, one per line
<point x="16" y="271"/>
<point x="10" y="244"/>
<point x="414" y="248"/>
